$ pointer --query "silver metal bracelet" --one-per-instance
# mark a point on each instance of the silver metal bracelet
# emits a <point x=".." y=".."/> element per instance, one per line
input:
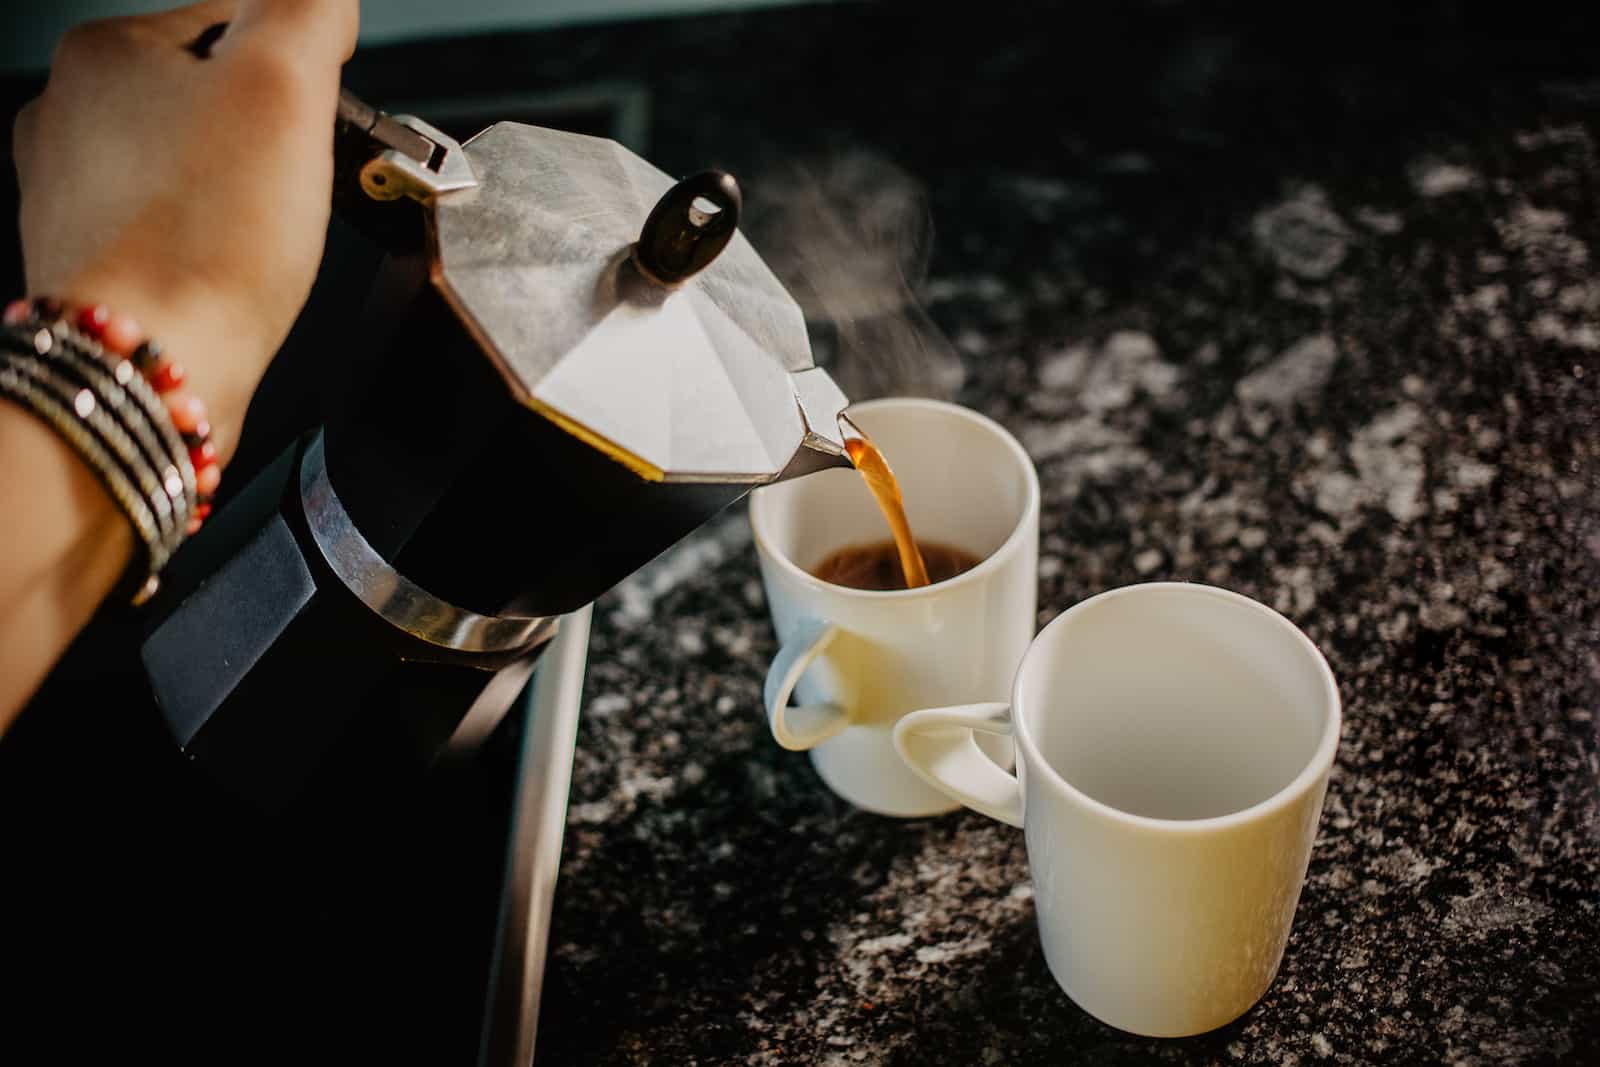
<point x="125" y="374"/>
<point x="95" y="412"/>
<point x="18" y="385"/>
<point x="142" y="416"/>
<point x="103" y="405"/>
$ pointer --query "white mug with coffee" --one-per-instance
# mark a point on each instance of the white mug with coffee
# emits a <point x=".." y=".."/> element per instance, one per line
<point x="1173" y="748"/>
<point x="858" y="659"/>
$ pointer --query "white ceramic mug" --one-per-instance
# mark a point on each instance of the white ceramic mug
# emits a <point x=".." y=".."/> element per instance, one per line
<point x="859" y="659"/>
<point x="1173" y="749"/>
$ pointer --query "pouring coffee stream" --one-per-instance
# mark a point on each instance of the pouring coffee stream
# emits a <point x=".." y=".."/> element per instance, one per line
<point x="885" y="489"/>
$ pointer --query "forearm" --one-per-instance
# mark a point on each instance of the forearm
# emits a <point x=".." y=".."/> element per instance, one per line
<point x="69" y="540"/>
<point x="186" y="190"/>
<point x="66" y="544"/>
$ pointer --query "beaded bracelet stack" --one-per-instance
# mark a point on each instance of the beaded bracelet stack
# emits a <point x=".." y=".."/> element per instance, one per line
<point x="112" y="396"/>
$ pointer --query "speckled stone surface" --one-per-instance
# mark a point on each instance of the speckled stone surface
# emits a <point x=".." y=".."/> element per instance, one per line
<point x="1308" y="311"/>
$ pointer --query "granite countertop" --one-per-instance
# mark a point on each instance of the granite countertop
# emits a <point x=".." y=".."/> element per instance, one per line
<point x="1307" y="311"/>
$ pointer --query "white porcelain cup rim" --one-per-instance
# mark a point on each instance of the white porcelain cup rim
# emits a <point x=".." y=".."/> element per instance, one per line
<point x="1026" y="517"/>
<point x="1320" y="763"/>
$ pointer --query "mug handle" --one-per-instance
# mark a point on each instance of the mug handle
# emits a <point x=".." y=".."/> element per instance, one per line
<point x="938" y="744"/>
<point x="798" y="729"/>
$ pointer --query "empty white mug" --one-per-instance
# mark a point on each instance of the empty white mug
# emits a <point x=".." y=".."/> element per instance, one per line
<point x="859" y="659"/>
<point x="1173" y="748"/>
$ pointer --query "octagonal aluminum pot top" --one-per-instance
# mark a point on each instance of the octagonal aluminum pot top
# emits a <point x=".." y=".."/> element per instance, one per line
<point x="683" y="384"/>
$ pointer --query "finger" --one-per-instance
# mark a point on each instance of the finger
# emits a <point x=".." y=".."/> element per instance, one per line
<point x="326" y="29"/>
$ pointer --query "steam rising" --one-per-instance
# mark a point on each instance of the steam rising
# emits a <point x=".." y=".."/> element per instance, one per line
<point x="850" y="236"/>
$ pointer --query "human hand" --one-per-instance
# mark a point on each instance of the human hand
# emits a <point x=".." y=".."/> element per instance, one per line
<point x="189" y="193"/>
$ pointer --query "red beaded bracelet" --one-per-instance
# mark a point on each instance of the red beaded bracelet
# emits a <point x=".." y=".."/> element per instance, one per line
<point x="119" y="335"/>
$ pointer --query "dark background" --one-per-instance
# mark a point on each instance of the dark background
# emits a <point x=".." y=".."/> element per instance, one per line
<point x="1231" y="96"/>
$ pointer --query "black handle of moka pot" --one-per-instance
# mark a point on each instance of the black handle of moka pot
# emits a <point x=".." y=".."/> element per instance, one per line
<point x="360" y="134"/>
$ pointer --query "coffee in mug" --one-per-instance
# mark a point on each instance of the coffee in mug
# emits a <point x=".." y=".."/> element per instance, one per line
<point x="878" y="566"/>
